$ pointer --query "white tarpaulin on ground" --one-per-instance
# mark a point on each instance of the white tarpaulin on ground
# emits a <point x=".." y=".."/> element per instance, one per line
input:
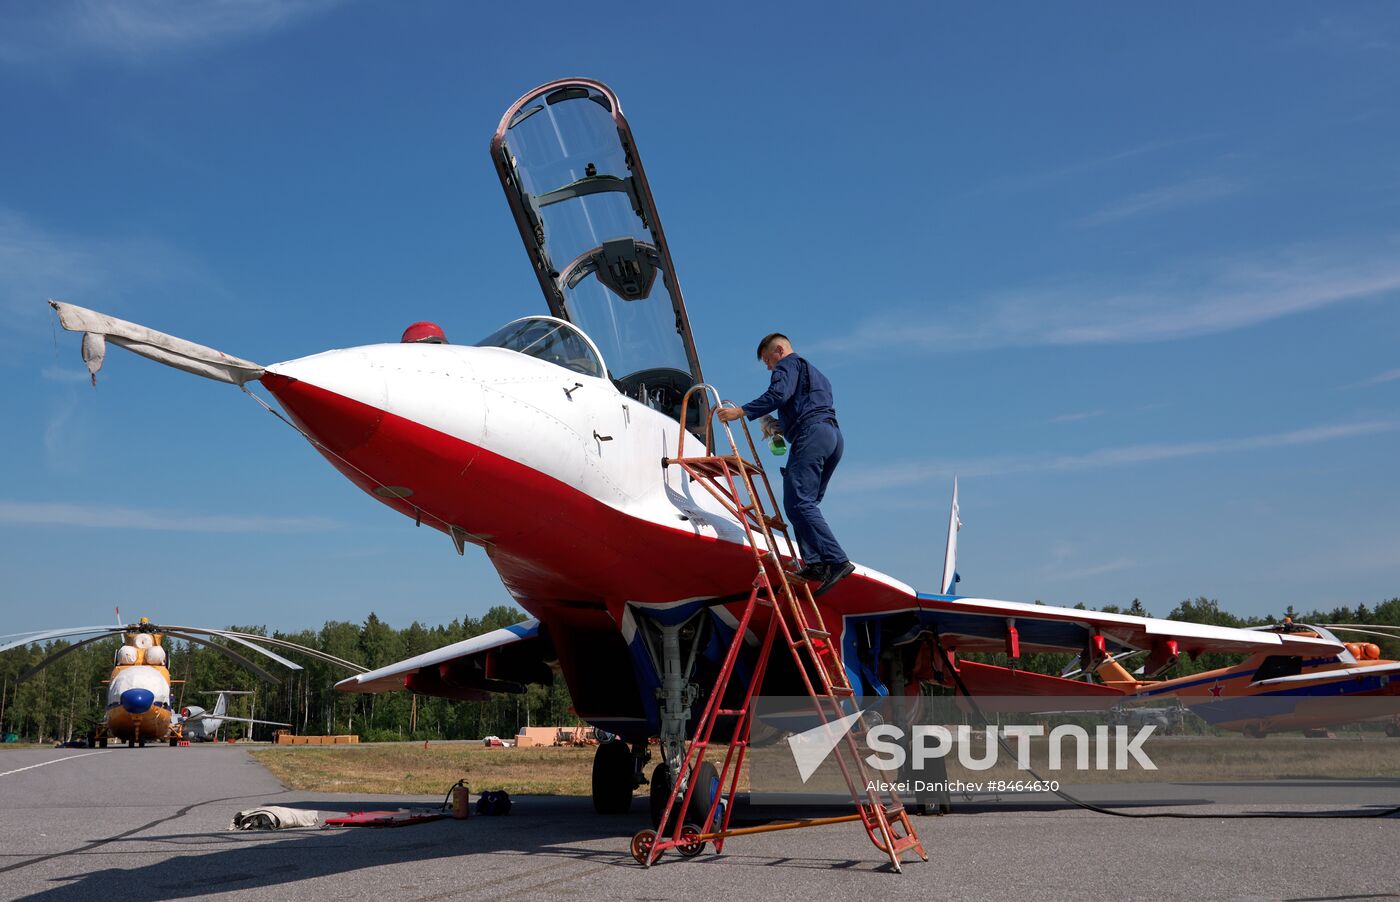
<point x="184" y="355"/>
<point x="274" y="817"/>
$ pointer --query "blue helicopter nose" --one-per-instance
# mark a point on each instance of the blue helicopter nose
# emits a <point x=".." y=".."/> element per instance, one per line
<point x="137" y="701"/>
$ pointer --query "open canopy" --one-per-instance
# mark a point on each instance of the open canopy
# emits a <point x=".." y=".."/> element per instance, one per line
<point x="571" y="172"/>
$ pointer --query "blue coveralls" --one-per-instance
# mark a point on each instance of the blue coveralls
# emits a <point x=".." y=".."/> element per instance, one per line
<point x="802" y="397"/>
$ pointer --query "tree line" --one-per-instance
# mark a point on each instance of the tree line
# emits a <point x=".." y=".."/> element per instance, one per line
<point x="66" y="699"/>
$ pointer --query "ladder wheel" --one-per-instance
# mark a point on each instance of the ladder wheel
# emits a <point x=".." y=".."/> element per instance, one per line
<point x="641" y="846"/>
<point x="689" y="845"/>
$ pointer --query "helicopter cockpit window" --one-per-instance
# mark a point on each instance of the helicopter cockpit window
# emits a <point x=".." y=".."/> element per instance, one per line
<point x="1276" y="666"/>
<point x="549" y="340"/>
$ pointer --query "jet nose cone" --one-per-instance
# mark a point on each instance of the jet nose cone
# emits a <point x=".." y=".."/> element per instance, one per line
<point x="137" y="701"/>
<point x="338" y="398"/>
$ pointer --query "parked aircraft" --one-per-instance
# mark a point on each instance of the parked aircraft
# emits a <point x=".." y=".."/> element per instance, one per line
<point x="1269" y="691"/>
<point x="1277" y="693"/>
<point x="138" y="691"/>
<point x="545" y="445"/>
<point x="199" y="725"/>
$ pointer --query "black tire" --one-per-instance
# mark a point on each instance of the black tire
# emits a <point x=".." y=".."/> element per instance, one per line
<point x="699" y="811"/>
<point x="131" y="743"/>
<point x="102" y="743"/>
<point x="141" y="743"/>
<point x="174" y="742"/>
<point x="613" y="769"/>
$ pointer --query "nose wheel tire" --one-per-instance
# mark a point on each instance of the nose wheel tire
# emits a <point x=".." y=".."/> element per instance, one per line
<point x="613" y="782"/>
<point x="699" y="811"/>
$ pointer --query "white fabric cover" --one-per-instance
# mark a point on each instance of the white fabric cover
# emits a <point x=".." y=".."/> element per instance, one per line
<point x="167" y="349"/>
<point x="274" y="817"/>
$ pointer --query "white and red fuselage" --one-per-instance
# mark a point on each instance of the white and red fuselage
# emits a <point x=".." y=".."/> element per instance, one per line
<point x="556" y="474"/>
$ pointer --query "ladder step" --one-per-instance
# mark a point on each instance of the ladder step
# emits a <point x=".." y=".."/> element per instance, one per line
<point x="911" y="841"/>
<point x="843" y="691"/>
<point x="813" y="633"/>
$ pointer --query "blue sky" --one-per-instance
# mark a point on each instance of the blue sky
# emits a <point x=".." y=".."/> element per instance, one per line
<point x="1130" y="272"/>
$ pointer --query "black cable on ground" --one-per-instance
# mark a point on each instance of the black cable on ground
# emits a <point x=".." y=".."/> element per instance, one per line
<point x="1180" y="815"/>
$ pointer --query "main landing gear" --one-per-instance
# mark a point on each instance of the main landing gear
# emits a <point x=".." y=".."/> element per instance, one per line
<point x="616" y="773"/>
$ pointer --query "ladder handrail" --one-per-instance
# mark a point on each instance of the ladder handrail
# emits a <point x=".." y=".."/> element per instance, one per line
<point x="708" y="436"/>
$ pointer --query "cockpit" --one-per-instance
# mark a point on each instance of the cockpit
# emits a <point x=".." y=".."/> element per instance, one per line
<point x="564" y="344"/>
<point x="551" y="340"/>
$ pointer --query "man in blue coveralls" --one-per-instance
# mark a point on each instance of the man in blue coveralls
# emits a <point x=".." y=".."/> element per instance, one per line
<point x="802" y="397"/>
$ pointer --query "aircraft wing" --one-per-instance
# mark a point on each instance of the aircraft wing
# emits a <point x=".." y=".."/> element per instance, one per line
<point x="503" y="660"/>
<point x="222" y="717"/>
<point x="984" y="625"/>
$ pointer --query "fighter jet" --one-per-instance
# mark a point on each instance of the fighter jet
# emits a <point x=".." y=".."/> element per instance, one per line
<point x="547" y="446"/>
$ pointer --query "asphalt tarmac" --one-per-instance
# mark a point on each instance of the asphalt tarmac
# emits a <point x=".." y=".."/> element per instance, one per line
<point x="137" y="824"/>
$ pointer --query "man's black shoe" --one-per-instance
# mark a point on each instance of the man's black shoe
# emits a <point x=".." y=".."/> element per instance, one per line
<point x="813" y="572"/>
<point x="834" y="574"/>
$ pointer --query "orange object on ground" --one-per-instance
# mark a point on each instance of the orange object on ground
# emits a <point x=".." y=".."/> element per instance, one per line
<point x="403" y="817"/>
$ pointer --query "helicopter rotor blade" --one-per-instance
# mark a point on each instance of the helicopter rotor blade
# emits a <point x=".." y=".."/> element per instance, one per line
<point x="228" y="653"/>
<point x="56" y="656"/>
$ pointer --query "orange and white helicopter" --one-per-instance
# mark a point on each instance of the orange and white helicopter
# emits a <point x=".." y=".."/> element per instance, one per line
<point x="138" y="692"/>
<point x="543" y="445"/>
<point x="138" y="699"/>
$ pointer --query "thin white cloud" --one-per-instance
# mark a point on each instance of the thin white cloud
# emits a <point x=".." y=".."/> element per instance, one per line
<point x="1077" y="416"/>
<point x="1053" y="573"/>
<point x="1387" y="376"/>
<point x="1033" y="180"/>
<point x="37" y="264"/>
<point x="913" y="473"/>
<point x="1340" y="31"/>
<point x="56" y="449"/>
<point x="62" y="374"/>
<point x="48" y="513"/>
<point x="138" y="30"/>
<point x="1189" y="193"/>
<point x="1218" y="297"/>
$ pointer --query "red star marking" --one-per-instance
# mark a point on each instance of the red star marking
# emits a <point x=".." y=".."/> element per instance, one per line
<point x="1215" y="690"/>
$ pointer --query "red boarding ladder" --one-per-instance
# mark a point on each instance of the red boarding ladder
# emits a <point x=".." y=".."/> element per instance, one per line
<point x="732" y="481"/>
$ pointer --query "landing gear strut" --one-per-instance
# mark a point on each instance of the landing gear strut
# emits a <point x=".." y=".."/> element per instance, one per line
<point x="677" y="694"/>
